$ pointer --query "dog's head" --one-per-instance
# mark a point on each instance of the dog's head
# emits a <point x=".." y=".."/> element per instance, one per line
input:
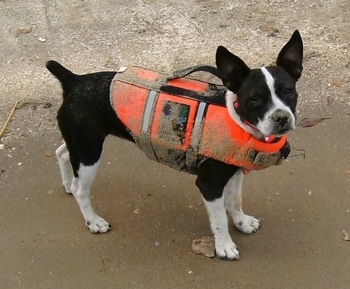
<point x="263" y="101"/>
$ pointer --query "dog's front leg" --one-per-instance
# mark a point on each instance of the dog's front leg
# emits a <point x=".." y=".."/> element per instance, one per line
<point x="212" y="178"/>
<point x="233" y="204"/>
<point x="224" y="246"/>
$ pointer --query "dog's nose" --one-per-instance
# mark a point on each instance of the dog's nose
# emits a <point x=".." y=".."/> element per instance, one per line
<point x="281" y="117"/>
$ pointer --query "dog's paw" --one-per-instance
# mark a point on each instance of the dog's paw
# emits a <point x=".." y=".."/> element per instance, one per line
<point x="67" y="189"/>
<point x="247" y="224"/>
<point x="227" y="250"/>
<point x="98" y="225"/>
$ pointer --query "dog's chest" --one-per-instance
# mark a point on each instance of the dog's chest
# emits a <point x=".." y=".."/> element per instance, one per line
<point x="175" y="122"/>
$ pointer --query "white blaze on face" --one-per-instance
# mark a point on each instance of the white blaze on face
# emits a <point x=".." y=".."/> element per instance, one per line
<point x="266" y="124"/>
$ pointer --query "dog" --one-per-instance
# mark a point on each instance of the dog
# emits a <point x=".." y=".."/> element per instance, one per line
<point x="261" y="101"/>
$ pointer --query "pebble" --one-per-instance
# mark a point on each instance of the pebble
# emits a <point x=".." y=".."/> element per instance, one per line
<point x="204" y="246"/>
<point x="23" y="30"/>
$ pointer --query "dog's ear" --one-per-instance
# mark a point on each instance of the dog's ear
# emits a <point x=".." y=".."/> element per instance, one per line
<point x="291" y="56"/>
<point x="232" y="69"/>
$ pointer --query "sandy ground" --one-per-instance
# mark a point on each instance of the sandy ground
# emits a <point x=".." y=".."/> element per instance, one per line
<point x="156" y="212"/>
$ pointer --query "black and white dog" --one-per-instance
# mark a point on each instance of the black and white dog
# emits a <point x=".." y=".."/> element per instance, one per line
<point x="262" y="101"/>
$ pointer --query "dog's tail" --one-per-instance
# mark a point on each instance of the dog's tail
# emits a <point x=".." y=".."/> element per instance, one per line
<point x="65" y="76"/>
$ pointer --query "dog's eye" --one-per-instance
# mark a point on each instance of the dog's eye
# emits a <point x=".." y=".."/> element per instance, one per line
<point x="288" y="92"/>
<point x="255" y="100"/>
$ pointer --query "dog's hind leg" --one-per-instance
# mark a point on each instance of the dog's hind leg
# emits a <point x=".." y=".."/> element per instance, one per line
<point x="81" y="190"/>
<point x="64" y="163"/>
<point x="85" y="144"/>
<point x="233" y="204"/>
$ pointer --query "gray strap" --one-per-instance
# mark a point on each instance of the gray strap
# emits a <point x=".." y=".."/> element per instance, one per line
<point x="144" y="141"/>
<point x="191" y="153"/>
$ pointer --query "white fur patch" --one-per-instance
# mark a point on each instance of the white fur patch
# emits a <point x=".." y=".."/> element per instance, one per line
<point x="62" y="155"/>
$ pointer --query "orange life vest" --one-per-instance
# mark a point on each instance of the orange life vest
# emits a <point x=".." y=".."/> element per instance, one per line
<point x="181" y="122"/>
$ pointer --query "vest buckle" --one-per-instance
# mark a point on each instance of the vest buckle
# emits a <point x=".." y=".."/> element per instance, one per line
<point x="261" y="159"/>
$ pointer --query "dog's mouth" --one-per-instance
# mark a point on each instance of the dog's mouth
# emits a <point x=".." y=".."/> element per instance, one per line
<point x="270" y="132"/>
<point x="280" y="130"/>
<point x="275" y="134"/>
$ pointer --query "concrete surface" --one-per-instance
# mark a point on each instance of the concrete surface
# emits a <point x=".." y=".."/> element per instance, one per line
<point x="156" y="212"/>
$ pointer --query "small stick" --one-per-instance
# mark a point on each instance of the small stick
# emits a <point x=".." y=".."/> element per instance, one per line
<point x="22" y="104"/>
<point x="303" y="153"/>
<point x="8" y="118"/>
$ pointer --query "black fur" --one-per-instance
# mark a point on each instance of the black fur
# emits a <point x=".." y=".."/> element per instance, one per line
<point x="212" y="178"/>
<point x="86" y="116"/>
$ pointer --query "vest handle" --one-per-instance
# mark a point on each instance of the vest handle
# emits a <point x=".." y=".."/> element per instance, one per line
<point x="187" y="71"/>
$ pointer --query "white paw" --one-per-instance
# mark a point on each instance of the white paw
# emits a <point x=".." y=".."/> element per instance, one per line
<point x="98" y="225"/>
<point x="247" y="224"/>
<point x="67" y="189"/>
<point x="227" y="250"/>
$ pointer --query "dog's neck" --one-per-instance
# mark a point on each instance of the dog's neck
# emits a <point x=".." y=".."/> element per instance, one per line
<point x="231" y="99"/>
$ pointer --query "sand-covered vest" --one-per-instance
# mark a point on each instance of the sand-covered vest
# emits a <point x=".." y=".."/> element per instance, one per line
<point x="181" y="122"/>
